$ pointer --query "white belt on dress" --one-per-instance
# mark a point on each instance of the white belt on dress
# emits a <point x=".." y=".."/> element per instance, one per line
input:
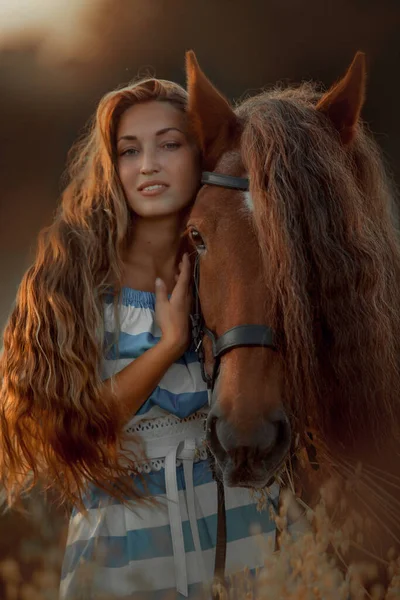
<point x="171" y="448"/>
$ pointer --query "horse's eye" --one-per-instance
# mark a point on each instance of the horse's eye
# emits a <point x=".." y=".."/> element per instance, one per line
<point x="196" y="239"/>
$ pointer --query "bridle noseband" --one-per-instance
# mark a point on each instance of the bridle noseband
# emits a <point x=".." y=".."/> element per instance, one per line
<point x="238" y="336"/>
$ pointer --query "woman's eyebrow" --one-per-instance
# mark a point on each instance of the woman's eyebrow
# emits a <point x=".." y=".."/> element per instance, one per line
<point x="159" y="132"/>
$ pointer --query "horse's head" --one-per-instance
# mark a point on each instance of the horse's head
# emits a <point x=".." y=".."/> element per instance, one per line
<point x="248" y="430"/>
<point x="273" y="256"/>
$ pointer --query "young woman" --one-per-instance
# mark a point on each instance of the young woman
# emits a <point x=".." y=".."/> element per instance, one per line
<point x="102" y="396"/>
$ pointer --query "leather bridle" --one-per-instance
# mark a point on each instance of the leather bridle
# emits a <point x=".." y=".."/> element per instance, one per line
<point x="236" y="337"/>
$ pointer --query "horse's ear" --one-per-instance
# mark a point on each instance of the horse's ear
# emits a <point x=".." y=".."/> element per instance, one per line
<point x="344" y="101"/>
<point x="211" y="118"/>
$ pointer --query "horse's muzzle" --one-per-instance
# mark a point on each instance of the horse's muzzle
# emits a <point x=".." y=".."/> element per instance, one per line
<point x="249" y="457"/>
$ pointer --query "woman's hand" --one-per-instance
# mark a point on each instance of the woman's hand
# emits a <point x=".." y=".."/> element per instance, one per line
<point x="172" y="314"/>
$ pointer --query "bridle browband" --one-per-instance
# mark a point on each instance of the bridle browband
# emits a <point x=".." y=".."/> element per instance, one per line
<point x="225" y="181"/>
<point x="236" y="337"/>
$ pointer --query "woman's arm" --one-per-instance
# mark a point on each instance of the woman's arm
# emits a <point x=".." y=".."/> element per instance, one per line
<point x="134" y="384"/>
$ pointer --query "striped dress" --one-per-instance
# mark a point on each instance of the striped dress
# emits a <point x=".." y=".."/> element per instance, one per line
<point x="166" y="550"/>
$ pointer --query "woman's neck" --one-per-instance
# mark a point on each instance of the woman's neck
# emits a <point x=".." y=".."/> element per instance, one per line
<point x="153" y="250"/>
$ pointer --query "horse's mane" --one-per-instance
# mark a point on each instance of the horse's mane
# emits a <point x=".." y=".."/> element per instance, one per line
<point x="324" y="213"/>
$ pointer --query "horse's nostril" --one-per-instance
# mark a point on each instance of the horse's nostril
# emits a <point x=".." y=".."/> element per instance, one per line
<point x="226" y="434"/>
<point x="264" y="438"/>
<point x="213" y="440"/>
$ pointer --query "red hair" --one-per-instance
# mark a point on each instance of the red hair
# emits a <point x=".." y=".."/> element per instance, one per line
<point x="56" y="423"/>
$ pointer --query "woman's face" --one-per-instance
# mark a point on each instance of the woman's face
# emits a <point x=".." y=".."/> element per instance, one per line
<point x="158" y="163"/>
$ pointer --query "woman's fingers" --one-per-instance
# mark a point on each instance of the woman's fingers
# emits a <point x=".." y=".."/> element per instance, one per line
<point x="161" y="292"/>
<point x="182" y="285"/>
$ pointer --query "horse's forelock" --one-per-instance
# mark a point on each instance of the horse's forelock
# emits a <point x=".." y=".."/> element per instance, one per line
<point x="332" y="263"/>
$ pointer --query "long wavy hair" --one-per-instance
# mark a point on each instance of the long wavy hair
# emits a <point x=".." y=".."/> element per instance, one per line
<point x="328" y="230"/>
<point x="57" y="425"/>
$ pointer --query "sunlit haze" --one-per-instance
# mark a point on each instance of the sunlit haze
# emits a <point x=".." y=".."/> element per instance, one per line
<point x="60" y="27"/>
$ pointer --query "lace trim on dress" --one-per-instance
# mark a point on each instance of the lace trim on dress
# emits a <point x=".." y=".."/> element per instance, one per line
<point x="156" y="464"/>
<point x="162" y="427"/>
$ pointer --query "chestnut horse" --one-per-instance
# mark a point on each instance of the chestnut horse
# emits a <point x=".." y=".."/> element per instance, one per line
<point x="312" y="252"/>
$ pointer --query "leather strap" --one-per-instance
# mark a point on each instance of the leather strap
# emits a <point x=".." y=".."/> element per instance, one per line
<point x="220" y="550"/>
<point x="241" y="335"/>
<point x="226" y="181"/>
<point x="244" y="335"/>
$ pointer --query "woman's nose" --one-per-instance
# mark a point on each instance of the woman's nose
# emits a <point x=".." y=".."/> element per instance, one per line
<point x="149" y="163"/>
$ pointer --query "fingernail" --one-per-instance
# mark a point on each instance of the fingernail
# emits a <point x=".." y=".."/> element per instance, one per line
<point x="158" y="282"/>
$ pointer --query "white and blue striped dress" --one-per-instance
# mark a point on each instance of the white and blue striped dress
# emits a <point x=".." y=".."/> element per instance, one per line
<point x="166" y="550"/>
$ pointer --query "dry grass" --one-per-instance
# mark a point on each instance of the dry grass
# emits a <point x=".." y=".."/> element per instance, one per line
<point x="311" y="563"/>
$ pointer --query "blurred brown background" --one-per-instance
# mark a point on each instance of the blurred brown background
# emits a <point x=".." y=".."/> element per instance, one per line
<point x="58" y="57"/>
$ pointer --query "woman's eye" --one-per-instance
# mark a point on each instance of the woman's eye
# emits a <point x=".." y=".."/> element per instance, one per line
<point x="172" y="145"/>
<point x="196" y="239"/>
<point x="130" y="152"/>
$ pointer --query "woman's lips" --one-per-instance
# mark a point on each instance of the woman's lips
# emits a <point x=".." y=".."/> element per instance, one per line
<point x="153" y="190"/>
